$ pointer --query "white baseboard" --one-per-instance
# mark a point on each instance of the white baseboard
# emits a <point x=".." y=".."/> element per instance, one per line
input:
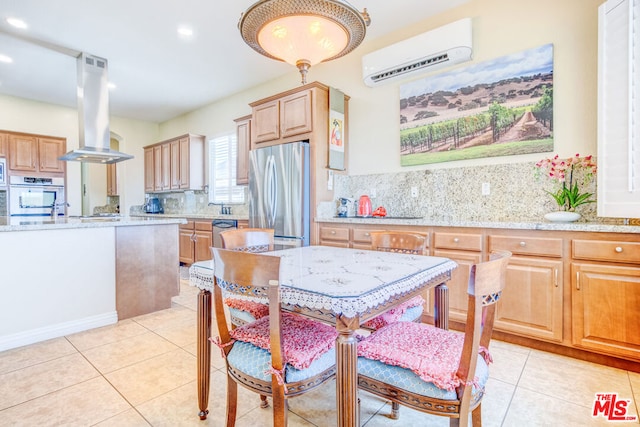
<point x="58" y="330"/>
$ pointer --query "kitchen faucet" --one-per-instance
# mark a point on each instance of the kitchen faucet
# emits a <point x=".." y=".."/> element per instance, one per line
<point x="224" y="210"/>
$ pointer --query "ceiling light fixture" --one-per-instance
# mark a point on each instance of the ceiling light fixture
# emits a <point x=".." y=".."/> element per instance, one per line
<point x="185" y="32"/>
<point x="303" y="32"/>
<point x="17" y="23"/>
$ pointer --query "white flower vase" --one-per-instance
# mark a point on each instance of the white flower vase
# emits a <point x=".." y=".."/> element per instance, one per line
<point x="562" y="216"/>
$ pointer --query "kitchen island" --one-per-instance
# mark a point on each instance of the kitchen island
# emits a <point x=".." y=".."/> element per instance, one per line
<point x="65" y="275"/>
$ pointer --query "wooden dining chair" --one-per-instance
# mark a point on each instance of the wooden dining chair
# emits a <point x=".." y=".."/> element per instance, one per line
<point x="434" y="370"/>
<point x="406" y="243"/>
<point x="254" y="240"/>
<point x="281" y="355"/>
<point x="241" y="312"/>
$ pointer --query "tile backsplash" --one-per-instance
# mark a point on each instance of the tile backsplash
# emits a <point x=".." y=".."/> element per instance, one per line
<point x="196" y="203"/>
<point x="515" y="194"/>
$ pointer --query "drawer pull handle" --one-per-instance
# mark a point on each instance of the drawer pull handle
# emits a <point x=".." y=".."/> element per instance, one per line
<point x="456" y="240"/>
<point x="523" y="244"/>
<point x="618" y="249"/>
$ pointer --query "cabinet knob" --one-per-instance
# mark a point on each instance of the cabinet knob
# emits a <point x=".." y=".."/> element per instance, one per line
<point x="367" y="234"/>
<point x="333" y="231"/>
<point x="456" y="240"/>
<point x="618" y="249"/>
<point x="523" y="244"/>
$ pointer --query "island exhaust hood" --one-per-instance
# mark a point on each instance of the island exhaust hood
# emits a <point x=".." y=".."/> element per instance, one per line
<point x="93" y="108"/>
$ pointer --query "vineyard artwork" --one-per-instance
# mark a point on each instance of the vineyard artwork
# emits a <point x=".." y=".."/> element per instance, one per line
<point x="501" y="107"/>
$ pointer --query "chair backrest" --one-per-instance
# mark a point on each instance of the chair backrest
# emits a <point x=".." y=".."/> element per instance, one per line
<point x="486" y="282"/>
<point x="398" y="241"/>
<point x="248" y="239"/>
<point x="250" y="275"/>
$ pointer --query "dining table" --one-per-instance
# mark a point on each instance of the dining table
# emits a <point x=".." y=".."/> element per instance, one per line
<point x="344" y="287"/>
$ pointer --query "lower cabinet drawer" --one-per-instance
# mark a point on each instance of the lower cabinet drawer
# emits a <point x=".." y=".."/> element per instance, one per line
<point x="521" y="245"/>
<point x="606" y="250"/>
<point x="334" y="233"/>
<point x="467" y="242"/>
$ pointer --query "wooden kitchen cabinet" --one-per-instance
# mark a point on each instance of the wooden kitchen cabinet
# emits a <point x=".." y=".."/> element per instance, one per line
<point x="112" y="180"/>
<point x="195" y="241"/>
<point x="532" y="301"/>
<point x="573" y="293"/>
<point x="4" y="150"/>
<point x="283" y="117"/>
<point x="243" y="138"/>
<point x="149" y="170"/>
<point x="334" y="236"/>
<point x="36" y="154"/>
<point x="176" y="164"/>
<point x="295" y="114"/>
<point x="605" y="296"/>
<point x="465" y="248"/>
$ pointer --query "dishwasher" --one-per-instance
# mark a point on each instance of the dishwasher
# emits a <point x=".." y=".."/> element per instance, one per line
<point x="220" y="225"/>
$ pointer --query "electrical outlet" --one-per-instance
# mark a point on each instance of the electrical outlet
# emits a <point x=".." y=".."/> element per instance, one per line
<point x="373" y="192"/>
<point x="414" y="191"/>
<point x="486" y="188"/>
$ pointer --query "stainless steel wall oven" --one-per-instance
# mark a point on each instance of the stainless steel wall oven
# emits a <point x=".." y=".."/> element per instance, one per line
<point x="35" y="196"/>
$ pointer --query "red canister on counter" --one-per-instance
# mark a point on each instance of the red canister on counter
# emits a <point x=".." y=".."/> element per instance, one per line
<point x="364" y="206"/>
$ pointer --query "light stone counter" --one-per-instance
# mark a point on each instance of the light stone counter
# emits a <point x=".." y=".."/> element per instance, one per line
<point x="424" y="222"/>
<point x="22" y="223"/>
<point x="193" y="216"/>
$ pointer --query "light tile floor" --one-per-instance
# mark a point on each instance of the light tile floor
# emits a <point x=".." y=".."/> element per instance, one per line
<point x="142" y="372"/>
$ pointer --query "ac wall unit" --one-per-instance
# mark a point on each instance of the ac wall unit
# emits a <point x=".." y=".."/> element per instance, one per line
<point x="430" y="51"/>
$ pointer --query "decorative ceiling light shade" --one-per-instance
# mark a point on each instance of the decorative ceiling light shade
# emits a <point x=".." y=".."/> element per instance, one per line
<point x="303" y="32"/>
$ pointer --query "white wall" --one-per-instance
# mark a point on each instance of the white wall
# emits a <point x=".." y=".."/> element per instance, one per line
<point x="22" y="115"/>
<point x="500" y="27"/>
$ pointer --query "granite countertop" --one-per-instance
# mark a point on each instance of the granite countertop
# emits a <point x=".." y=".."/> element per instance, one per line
<point x="17" y="223"/>
<point x="191" y="216"/>
<point x="523" y="225"/>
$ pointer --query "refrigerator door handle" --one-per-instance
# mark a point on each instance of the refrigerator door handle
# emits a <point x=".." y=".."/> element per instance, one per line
<point x="273" y="191"/>
<point x="266" y="190"/>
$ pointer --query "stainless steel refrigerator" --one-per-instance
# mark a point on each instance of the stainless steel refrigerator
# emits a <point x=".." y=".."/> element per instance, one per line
<point x="279" y="192"/>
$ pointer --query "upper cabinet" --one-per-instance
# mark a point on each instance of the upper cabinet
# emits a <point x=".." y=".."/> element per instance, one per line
<point x="618" y="106"/>
<point x="174" y="165"/>
<point x="36" y="154"/>
<point x="278" y="119"/>
<point x="243" y="137"/>
<point x="3" y="145"/>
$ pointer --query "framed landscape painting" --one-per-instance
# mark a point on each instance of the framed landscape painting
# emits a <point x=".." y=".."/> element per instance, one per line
<point x="501" y="107"/>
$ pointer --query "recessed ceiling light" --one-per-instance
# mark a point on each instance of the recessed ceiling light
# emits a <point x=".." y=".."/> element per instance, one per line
<point x="16" y="22"/>
<point x="111" y="85"/>
<point x="5" y="59"/>
<point x="185" y="32"/>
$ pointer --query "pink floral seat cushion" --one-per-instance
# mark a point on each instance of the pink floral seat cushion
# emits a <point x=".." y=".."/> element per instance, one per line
<point x="397" y="314"/>
<point x="431" y="353"/>
<point x="255" y="309"/>
<point x="303" y="340"/>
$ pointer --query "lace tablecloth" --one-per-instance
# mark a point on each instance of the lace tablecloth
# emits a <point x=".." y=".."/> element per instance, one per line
<point x="343" y="281"/>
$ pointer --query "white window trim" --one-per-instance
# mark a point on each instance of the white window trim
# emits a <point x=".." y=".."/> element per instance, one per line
<point x="234" y="193"/>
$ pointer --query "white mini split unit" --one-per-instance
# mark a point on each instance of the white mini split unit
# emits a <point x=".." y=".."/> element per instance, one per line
<point x="430" y="51"/>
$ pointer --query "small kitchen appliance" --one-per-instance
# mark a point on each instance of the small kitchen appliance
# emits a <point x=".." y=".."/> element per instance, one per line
<point x="364" y="206"/>
<point x="153" y="206"/>
<point x="346" y="207"/>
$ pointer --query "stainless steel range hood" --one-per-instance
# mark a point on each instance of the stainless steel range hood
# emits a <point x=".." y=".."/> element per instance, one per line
<point x="93" y="108"/>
